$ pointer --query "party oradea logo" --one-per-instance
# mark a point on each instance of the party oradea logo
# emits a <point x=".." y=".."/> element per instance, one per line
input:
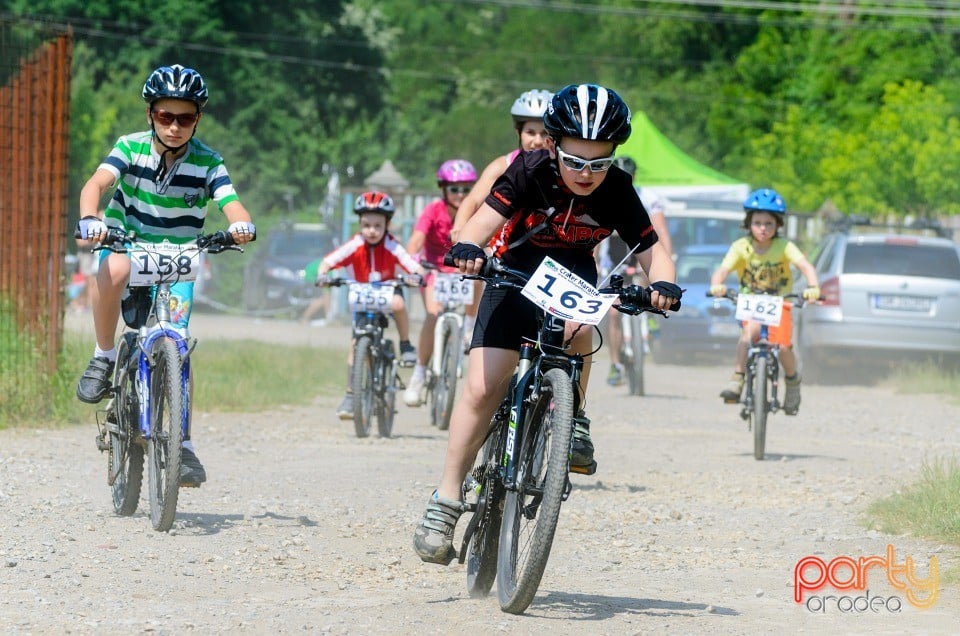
<point x="814" y="578"/>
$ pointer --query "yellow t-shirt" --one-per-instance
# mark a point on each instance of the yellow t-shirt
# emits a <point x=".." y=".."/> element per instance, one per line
<point x="767" y="273"/>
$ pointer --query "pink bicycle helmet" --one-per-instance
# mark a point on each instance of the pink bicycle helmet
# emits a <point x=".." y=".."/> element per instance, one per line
<point x="456" y="171"/>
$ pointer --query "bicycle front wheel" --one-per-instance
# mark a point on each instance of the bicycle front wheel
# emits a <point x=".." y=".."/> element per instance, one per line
<point x="362" y="384"/>
<point x="760" y="408"/>
<point x="388" y="387"/>
<point x="482" y="549"/>
<point x="445" y="388"/>
<point x="531" y="511"/>
<point x="637" y="355"/>
<point x="125" y="472"/>
<point x="166" y="432"/>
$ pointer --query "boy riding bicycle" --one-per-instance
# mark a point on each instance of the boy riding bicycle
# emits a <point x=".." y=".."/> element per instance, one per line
<point x="762" y="260"/>
<point x="373" y="254"/>
<point x="559" y="202"/>
<point x="165" y="177"/>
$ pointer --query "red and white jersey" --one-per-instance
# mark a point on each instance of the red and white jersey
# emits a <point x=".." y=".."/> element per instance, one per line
<point x="363" y="259"/>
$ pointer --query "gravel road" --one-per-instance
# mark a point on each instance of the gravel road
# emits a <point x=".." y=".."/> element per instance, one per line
<point x="304" y="528"/>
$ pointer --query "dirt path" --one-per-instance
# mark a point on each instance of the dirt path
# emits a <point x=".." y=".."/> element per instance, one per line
<point x="304" y="528"/>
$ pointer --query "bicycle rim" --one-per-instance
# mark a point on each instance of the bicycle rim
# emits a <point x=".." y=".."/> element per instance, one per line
<point x="447" y="382"/>
<point x="166" y="433"/>
<point x="760" y="409"/>
<point x="362" y="384"/>
<point x="126" y="455"/>
<point x="388" y="396"/>
<point x="531" y="512"/>
<point x="482" y="549"/>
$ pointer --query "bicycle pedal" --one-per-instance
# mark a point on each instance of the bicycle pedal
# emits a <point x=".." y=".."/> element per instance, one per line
<point x="102" y="443"/>
<point x="726" y="401"/>
<point x="585" y="470"/>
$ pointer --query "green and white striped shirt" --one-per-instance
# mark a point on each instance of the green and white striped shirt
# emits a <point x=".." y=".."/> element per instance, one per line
<point x="173" y="209"/>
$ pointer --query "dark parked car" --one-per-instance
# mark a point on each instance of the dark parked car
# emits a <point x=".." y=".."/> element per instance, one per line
<point x="274" y="274"/>
<point x="889" y="294"/>
<point x="704" y="327"/>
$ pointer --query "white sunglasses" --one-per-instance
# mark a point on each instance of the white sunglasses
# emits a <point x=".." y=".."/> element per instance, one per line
<point x="577" y="164"/>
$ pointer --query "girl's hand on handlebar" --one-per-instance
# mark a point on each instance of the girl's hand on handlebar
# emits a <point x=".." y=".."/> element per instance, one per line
<point x="91" y="228"/>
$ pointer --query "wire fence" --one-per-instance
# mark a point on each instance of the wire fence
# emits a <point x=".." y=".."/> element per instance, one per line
<point x="34" y="125"/>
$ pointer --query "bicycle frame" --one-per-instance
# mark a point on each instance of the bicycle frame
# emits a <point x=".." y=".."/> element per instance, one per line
<point x="762" y="348"/>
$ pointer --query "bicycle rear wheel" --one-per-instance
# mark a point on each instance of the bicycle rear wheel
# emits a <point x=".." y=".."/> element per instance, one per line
<point x="531" y="511"/>
<point x="125" y="471"/>
<point x="636" y="356"/>
<point x="760" y="408"/>
<point x="362" y="384"/>
<point x="482" y="549"/>
<point x="166" y="432"/>
<point x="445" y="387"/>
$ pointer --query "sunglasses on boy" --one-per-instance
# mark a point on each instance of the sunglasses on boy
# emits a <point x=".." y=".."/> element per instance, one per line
<point x="577" y="164"/>
<point x="184" y="120"/>
<point x="455" y="189"/>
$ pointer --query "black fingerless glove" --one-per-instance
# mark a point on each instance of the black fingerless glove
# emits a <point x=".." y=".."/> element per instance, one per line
<point x="466" y="252"/>
<point x="670" y="290"/>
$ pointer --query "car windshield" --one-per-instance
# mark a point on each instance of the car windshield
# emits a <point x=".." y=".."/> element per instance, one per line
<point x="697" y="268"/>
<point x="297" y="244"/>
<point x="927" y="261"/>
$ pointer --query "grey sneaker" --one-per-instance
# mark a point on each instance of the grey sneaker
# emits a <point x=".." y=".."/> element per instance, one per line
<point x="791" y="400"/>
<point x="95" y="381"/>
<point x="433" y="539"/>
<point x="581" y="454"/>
<point x="345" y="410"/>
<point x="734" y="388"/>
<point x="408" y="354"/>
<point x="192" y="473"/>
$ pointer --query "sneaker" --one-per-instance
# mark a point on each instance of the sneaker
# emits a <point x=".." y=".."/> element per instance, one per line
<point x="433" y="539"/>
<point x="733" y="389"/>
<point x="412" y="396"/>
<point x="192" y="473"/>
<point x="791" y="400"/>
<point x="95" y="381"/>
<point x="581" y="454"/>
<point x="615" y="377"/>
<point x="345" y="410"/>
<point x="408" y="354"/>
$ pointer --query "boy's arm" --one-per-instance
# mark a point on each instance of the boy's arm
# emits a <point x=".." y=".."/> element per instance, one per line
<point x="93" y="190"/>
<point x="237" y="213"/>
<point x="482" y="226"/>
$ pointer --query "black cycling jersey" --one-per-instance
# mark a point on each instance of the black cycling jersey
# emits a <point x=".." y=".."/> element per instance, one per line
<point x="531" y="195"/>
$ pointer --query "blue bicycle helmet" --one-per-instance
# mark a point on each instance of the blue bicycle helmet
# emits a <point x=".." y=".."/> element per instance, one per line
<point x="765" y="200"/>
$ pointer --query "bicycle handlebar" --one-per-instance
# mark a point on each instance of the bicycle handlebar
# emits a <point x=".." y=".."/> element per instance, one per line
<point x="731" y="294"/>
<point x="212" y="243"/>
<point x="633" y="298"/>
<point x="405" y="280"/>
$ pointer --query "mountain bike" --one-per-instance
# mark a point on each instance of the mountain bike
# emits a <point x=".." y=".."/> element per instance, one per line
<point x="761" y="380"/>
<point x="522" y="474"/>
<point x="374" y="377"/>
<point x="452" y="293"/>
<point x="149" y="410"/>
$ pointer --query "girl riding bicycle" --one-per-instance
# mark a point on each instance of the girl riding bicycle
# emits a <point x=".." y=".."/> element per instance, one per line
<point x="762" y="260"/>
<point x="165" y="177"/>
<point x="431" y="239"/>
<point x="558" y="202"/>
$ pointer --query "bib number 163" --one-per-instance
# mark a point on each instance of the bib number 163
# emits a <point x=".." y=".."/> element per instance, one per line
<point x="563" y="294"/>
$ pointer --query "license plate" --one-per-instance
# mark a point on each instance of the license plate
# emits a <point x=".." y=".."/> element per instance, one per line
<point x="725" y="329"/>
<point x="891" y="302"/>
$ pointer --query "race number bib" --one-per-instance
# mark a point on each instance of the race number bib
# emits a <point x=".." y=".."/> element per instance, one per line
<point x="561" y="293"/>
<point x="154" y="263"/>
<point x="452" y="289"/>
<point x="761" y="308"/>
<point x="367" y="297"/>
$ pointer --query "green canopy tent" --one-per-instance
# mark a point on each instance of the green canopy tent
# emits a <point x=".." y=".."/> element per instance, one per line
<point x="670" y="172"/>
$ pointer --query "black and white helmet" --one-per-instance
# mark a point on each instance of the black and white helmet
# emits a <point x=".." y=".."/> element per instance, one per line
<point x="587" y="111"/>
<point x="175" y="82"/>
<point x="530" y="105"/>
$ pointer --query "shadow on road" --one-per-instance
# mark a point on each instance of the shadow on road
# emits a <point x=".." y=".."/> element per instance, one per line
<point x="596" y="607"/>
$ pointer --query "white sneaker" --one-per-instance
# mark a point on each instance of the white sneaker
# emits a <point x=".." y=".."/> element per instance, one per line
<point x="411" y="397"/>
